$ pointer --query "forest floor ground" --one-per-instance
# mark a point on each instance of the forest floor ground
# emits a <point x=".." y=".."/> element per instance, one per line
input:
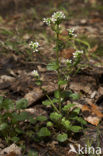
<point x="20" y="26"/>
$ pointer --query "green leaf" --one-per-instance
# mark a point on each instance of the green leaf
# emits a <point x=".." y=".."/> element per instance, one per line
<point x="79" y="119"/>
<point x="49" y="124"/>
<point x="6" y="32"/>
<point x="21" y="104"/>
<point x="74" y="96"/>
<point x="32" y="153"/>
<point x="46" y="103"/>
<point x="65" y="123"/>
<point x="25" y="116"/>
<point x="15" y="139"/>
<point x="75" y="128"/>
<point x="29" y="133"/>
<point x="8" y="104"/>
<point x="1" y="101"/>
<point x="38" y="82"/>
<point x="66" y="93"/>
<point x="44" y="132"/>
<point x="32" y="121"/>
<point x="52" y="66"/>
<point x="76" y="110"/>
<point x="19" y="131"/>
<point x="62" y="137"/>
<point x="41" y="118"/>
<point x="22" y="116"/>
<point x="55" y="116"/>
<point x="68" y="106"/>
<point x="57" y="94"/>
<point x="62" y="82"/>
<point x="55" y="100"/>
<point x="3" y="126"/>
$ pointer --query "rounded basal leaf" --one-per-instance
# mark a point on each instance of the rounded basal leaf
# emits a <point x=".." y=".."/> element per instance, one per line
<point x="62" y="137"/>
<point x="49" y="124"/>
<point x="3" y="126"/>
<point x="66" y="93"/>
<point x="44" y="132"/>
<point x="76" y="110"/>
<point x="52" y="66"/>
<point x="29" y="133"/>
<point x="46" y="103"/>
<point x="32" y="121"/>
<point x="62" y="82"/>
<point x="65" y="123"/>
<point x="68" y="106"/>
<point x="55" y="100"/>
<point x="22" y="116"/>
<point x="41" y="118"/>
<point x="38" y="82"/>
<point x="19" y="131"/>
<point x="55" y="116"/>
<point x="1" y="101"/>
<point x="15" y="139"/>
<point x="57" y="94"/>
<point x="74" y="96"/>
<point x="81" y="120"/>
<point x="8" y="104"/>
<point x="32" y="153"/>
<point x="21" y="104"/>
<point x="75" y="128"/>
<point x="14" y="117"/>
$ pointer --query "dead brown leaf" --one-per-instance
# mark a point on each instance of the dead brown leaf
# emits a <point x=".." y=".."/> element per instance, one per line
<point x="12" y="154"/>
<point x="67" y="53"/>
<point x="94" y="116"/>
<point x="10" y="150"/>
<point x="92" y="50"/>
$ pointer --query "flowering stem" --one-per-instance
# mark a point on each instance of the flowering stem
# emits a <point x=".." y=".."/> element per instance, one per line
<point x="57" y="60"/>
<point x="85" y="43"/>
<point x="52" y="104"/>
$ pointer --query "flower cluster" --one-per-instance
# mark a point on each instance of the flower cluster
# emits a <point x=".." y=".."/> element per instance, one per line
<point x="56" y="17"/>
<point x="47" y="21"/>
<point x="71" y="33"/>
<point x="77" y="53"/>
<point x="35" y="73"/>
<point x="68" y="61"/>
<point x="34" y="46"/>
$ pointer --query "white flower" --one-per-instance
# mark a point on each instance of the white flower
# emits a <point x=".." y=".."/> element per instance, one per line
<point x="71" y="32"/>
<point x="34" y="46"/>
<point x="35" y="73"/>
<point x="69" y="61"/>
<point x="77" y="53"/>
<point x="57" y="16"/>
<point x="47" y="21"/>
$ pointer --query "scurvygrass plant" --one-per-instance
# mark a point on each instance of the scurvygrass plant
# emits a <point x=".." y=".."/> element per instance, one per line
<point x="63" y="119"/>
<point x="12" y="118"/>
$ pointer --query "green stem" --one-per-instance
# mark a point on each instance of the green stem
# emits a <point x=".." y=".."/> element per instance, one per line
<point x="58" y="70"/>
<point x="52" y="104"/>
<point x="85" y="43"/>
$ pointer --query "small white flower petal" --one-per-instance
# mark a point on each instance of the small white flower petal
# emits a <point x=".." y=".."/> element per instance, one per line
<point x="77" y="53"/>
<point x="34" y="46"/>
<point x="35" y="73"/>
